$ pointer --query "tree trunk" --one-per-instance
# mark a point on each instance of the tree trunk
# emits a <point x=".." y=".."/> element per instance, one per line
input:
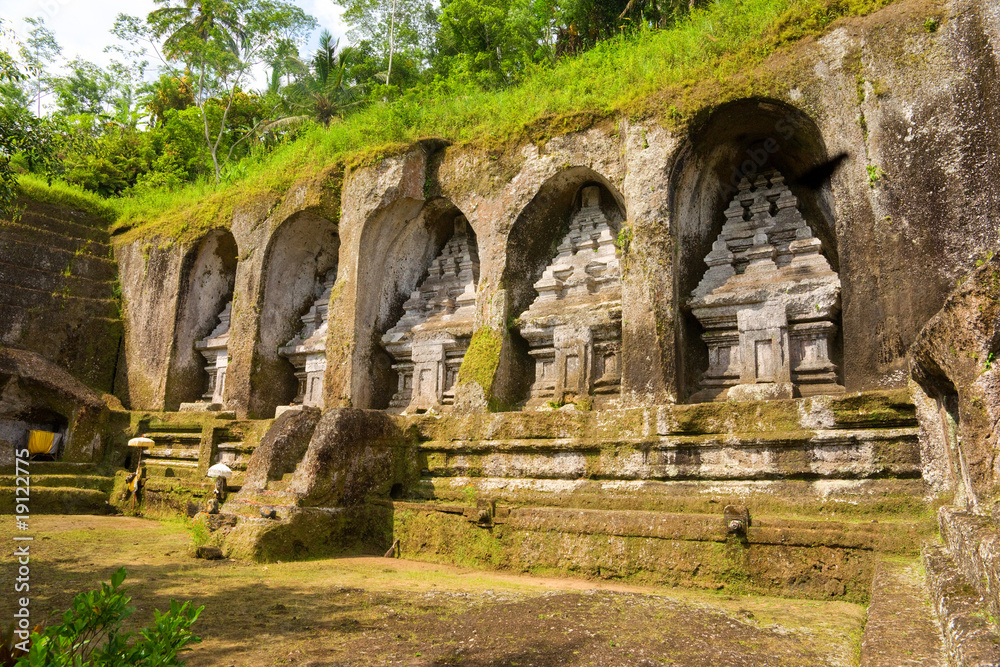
<point x="392" y="35"/>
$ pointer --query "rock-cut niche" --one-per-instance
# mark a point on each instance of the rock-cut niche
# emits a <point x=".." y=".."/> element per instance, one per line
<point x="300" y="270"/>
<point x="201" y="335"/>
<point x="757" y="266"/>
<point x="429" y="341"/>
<point x="573" y="324"/>
<point x="768" y="301"/>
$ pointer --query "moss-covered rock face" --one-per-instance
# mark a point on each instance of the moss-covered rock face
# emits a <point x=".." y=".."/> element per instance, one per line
<point x="954" y="361"/>
<point x="60" y="295"/>
<point x="281" y="448"/>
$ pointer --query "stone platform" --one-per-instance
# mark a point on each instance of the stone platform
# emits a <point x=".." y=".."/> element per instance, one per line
<point x="821" y="489"/>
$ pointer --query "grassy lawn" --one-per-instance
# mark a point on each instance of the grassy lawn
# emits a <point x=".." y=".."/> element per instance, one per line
<point x="376" y="611"/>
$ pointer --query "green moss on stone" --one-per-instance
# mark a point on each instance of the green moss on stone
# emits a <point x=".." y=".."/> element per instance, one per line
<point x="482" y="359"/>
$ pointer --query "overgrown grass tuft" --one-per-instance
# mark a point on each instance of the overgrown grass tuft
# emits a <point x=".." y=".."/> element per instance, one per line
<point x="620" y="75"/>
<point x="62" y="193"/>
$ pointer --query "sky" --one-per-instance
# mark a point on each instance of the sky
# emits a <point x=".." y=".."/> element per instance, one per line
<point x="82" y="27"/>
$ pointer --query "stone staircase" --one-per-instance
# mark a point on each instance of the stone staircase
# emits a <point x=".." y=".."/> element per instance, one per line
<point x="963" y="576"/>
<point x="186" y="445"/>
<point x="57" y="289"/>
<point x="60" y="488"/>
<point x="274" y="498"/>
<point x="797" y="497"/>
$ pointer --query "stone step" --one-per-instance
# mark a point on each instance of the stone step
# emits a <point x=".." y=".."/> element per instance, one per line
<point x="278" y="485"/>
<point x="901" y="538"/>
<point x="56" y="260"/>
<point x="72" y="243"/>
<point x="60" y="500"/>
<point x="827" y="454"/>
<point x="176" y="438"/>
<point x="243" y="507"/>
<point x="878" y="499"/>
<point x="200" y="486"/>
<point x="47" y="281"/>
<point x="971" y="639"/>
<point x="96" y="482"/>
<point x="171" y="453"/>
<point x="25" y="298"/>
<point x="236" y="455"/>
<point x="184" y="469"/>
<point x="973" y="541"/>
<point x="82" y="227"/>
<point x="856" y="411"/>
<point x="901" y="627"/>
<point x="56" y="468"/>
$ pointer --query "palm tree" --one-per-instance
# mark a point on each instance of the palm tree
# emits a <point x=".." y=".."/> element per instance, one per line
<point x="205" y="21"/>
<point x="322" y="90"/>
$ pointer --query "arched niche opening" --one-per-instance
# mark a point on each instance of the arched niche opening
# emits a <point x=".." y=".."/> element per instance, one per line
<point x="201" y="333"/>
<point x="23" y="409"/>
<point x="750" y="167"/>
<point x="300" y="267"/>
<point x="429" y="340"/>
<point x="564" y="282"/>
<point x="398" y="248"/>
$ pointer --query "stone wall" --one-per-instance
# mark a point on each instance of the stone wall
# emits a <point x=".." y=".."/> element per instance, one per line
<point x="879" y="128"/>
<point x="57" y="290"/>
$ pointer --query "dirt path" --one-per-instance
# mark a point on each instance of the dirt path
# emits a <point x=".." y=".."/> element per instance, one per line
<point x="375" y="611"/>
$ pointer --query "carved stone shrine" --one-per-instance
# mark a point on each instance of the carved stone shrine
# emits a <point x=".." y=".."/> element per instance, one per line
<point x="307" y="350"/>
<point x="573" y="327"/>
<point x="215" y="348"/>
<point x="429" y="341"/>
<point x="769" y="301"/>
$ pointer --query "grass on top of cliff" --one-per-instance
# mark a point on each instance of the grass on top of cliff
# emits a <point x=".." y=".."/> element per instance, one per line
<point x="630" y="74"/>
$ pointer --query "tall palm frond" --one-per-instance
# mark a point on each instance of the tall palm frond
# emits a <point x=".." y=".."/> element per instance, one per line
<point x="206" y="21"/>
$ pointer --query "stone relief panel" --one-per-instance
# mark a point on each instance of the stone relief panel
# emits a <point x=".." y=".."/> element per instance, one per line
<point x="429" y="341"/>
<point x="573" y="327"/>
<point x="769" y="301"/>
<point x="307" y="350"/>
<point x="215" y="349"/>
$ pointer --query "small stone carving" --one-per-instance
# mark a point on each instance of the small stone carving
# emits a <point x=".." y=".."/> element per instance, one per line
<point x="307" y="351"/>
<point x="429" y="341"/>
<point x="215" y="349"/>
<point x="768" y="301"/>
<point x="573" y="327"/>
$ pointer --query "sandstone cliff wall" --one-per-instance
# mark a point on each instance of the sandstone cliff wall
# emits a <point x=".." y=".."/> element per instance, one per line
<point x="904" y="217"/>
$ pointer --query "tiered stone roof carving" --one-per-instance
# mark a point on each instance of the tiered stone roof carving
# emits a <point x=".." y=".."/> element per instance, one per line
<point x="429" y="341"/>
<point x="768" y="301"/>
<point x="574" y="325"/>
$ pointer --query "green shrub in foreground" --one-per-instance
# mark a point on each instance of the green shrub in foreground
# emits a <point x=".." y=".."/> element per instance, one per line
<point x="90" y="633"/>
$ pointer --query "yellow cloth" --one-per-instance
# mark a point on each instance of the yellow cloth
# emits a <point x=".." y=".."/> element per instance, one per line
<point x="40" y="442"/>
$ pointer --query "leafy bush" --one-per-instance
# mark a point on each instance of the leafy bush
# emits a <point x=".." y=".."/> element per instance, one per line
<point x="90" y="634"/>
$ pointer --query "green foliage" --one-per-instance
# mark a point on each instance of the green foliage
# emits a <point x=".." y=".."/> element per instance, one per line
<point x="220" y="42"/>
<point x="875" y="174"/>
<point x="63" y="194"/>
<point x="624" y="74"/>
<point x="932" y="25"/>
<point x="90" y="633"/>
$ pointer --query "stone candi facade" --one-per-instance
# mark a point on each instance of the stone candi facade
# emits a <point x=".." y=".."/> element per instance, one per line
<point x="307" y="350"/>
<point x="769" y="301"/>
<point x="429" y="341"/>
<point x="573" y="327"/>
<point x="215" y="348"/>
